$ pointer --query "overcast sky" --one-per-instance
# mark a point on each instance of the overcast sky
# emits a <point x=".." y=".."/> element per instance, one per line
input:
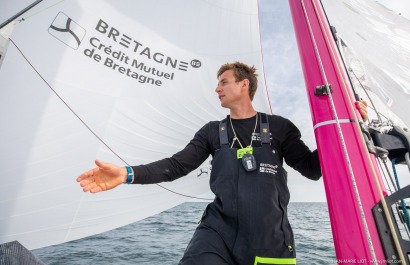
<point x="286" y="87"/>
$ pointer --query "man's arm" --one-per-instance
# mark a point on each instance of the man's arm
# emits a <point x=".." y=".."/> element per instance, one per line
<point x="108" y="176"/>
<point x="298" y="155"/>
<point x="180" y="164"/>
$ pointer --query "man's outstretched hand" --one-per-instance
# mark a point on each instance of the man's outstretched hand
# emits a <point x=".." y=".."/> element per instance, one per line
<point x="104" y="177"/>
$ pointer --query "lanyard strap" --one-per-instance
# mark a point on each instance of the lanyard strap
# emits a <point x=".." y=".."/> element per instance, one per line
<point x="264" y="130"/>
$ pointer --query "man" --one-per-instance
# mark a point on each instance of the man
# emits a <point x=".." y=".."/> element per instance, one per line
<point x="247" y="222"/>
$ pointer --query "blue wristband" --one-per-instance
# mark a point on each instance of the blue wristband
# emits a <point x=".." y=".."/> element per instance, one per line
<point x="130" y="175"/>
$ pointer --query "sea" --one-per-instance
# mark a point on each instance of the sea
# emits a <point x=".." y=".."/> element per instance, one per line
<point x="162" y="239"/>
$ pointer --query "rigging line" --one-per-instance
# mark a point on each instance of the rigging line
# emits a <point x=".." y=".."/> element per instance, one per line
<point x="40" y="11"/>
<point x="184" y="195"/>
<point x="390" y="176"/>
<point x="354" y="184"/>
<point x="66" y="104"/>
<point x="383" y="201"/>
<point x="88" y="127"/>
<point x="396" y="204"/>
<point x="388" y="119"/>
<point x="367" y="94"/>
<point x="388" y="173"/>
<point x="403" y="204"/>
<point x="351" y="173"/>
<point x="8" y="21"/>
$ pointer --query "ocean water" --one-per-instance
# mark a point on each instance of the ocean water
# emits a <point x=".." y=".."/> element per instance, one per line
<point x="162" y="239"/>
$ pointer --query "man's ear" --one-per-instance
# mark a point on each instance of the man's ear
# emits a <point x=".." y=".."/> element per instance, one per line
<point x="245" y="83"/>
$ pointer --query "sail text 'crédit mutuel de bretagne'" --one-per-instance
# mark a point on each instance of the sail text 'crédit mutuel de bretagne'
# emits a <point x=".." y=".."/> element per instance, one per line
<point x="115" y="57"/>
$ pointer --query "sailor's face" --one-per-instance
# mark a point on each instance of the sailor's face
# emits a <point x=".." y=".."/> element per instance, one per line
<point x="229" y="91"/>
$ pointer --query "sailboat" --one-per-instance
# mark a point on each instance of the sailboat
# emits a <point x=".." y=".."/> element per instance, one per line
<point x="106" y="79"/>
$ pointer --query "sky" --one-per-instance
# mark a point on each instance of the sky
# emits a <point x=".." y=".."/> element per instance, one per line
<point x="285" y="83"/>
<point x="284" y="80"/>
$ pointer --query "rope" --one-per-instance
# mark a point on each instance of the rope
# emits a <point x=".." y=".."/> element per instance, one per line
<point x="351" y="173"/>
<point x="89" y="128"/>
<point x="403" y="203"/>
<point x="367" y="94"/>
<point x="388" y="173"/>
<point x="379" y="189"/>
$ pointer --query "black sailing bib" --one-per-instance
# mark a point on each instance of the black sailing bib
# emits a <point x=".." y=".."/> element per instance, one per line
<point x="250" y="207"/>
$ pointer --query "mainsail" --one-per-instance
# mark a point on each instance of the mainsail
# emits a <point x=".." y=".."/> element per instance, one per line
<point x="127" y="82"/>
<point x="379" y="39"/>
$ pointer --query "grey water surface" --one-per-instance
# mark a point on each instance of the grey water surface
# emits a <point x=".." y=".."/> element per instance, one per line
<point x="162" y="239"/>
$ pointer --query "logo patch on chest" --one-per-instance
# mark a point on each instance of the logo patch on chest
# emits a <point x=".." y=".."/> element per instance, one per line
<point x="268" y="168"/>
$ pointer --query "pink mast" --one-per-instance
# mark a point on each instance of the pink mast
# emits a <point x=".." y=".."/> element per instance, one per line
<point x="349" y="175"/>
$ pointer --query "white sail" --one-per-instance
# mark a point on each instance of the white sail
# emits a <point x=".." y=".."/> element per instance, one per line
<point x="377" y="42"/>
<point x="122" y="81"/>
